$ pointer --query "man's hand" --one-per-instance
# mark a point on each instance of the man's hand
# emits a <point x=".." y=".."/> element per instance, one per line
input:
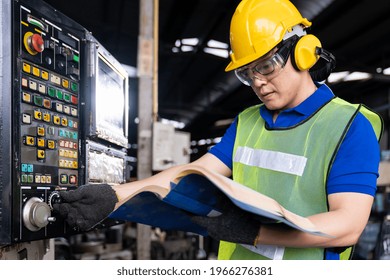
<point x="87" y="205"/>
<point x="234" y="225"/>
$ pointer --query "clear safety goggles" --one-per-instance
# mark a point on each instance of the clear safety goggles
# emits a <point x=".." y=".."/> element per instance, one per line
<point x="268" y="68"/>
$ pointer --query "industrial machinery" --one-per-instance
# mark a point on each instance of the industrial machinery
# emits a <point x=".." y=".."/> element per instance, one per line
<point x="63" y="112"/>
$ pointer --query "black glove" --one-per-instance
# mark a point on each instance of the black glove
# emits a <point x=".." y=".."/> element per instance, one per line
<point x="234" y="225"/>
<point x="87" y="205"/>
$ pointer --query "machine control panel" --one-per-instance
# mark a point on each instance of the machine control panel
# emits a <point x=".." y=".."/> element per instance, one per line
<point x="47" y="126"/>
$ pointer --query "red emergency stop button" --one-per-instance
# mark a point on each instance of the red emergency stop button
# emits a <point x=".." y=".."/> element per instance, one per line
<point x="33" y="43"/>
<point x="37" y="43"/>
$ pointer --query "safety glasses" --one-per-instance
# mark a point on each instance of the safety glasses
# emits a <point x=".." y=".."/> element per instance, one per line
<point x="268" y="68"/>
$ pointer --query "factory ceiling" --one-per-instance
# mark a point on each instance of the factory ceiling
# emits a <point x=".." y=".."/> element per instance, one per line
<point x="193" y="87"/>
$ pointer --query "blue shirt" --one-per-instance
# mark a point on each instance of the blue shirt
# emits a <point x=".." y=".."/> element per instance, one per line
<point x="355" y="168"/>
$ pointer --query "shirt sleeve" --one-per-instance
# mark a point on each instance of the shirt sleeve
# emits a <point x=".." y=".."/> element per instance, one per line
<point x="355" y="168"/>
<point x="224" y="149"/>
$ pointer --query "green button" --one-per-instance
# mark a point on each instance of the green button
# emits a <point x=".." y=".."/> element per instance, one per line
<point x="59" y="94"/>
<point x="74" y="86"/>
<point x="38" y="100"/>
<point x="24" y="178"/>
<point x="76" y="58"/>
<point x="51" y="92"/>
<point x="67" y="97"/>
<point x="30" y="178"/>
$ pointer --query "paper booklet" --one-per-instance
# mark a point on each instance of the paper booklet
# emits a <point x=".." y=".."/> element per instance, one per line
<point x="198" y="191"/>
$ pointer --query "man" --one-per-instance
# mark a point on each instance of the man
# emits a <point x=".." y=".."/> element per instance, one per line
<point x="299" y="120"/>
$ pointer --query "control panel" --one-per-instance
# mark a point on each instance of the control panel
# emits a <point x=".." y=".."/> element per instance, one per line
<point x="46" y="118"/>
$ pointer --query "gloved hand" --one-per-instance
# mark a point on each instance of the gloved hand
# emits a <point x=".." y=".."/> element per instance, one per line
<point x="234" y="225"/>
<point x="87" y="205"/>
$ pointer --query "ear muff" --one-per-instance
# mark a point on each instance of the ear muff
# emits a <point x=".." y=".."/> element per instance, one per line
<point x="304" y="54"/>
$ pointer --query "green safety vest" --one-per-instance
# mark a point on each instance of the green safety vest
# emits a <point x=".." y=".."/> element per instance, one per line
<point x="291" y="166"/>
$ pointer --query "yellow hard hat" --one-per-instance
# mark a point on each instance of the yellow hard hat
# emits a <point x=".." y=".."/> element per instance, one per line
<point x="257" y="26"/>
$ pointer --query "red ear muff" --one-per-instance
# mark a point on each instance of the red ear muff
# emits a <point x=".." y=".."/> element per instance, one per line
<point x="304" y="54"/>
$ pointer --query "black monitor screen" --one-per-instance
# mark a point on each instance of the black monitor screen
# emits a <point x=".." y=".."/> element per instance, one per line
<point x="111" y="103"/>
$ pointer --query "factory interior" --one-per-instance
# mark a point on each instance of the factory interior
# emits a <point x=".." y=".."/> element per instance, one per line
<point x="175" y="102"/>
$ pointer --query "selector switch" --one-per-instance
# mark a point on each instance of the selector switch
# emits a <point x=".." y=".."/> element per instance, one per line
<point x="36" y="214"/>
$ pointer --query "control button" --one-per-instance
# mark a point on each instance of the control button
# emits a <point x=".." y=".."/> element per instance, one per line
<point x="41" y="142"/>
<point x="36" y="43"/>
<point x="67" y="109"/>
<point x="40" y="131"/>
<point x="59" y="107"/>
<point x="47" y="103"/>
<point x="24" y="167"/>
<point x="40" y="154"/>
<point x="29" y="140"/>
<point x="37" y="179"/>
<point x="56" y="120"/>
<point x="65" y="83"/>
<point x="50" y="130"/>
<point x="73" y="112"/>
<point x="63" y="179"/>
<point x="48" y="179"/>
<point x="26" y="97"/>
<point x="55" y="79"/>
<point x="26" y="118"/>
<point x="37" y="115"/>
<point x="51" y="144"/>
<point x="36" y="71"/>
<point x="43" y="179"/>
<point x="24" y="178"/>
<point x="67" y="97"/>
<point x="64" y="121"/>
<point x="30" y="178"/>
<point x="30" y="168"/>
<point x="38" y="100"/>
<point x="45" y="75"/>
<point x="26" y="67"/>
<point x="46" y="117"/>
<point x="74" y="100"/>
<point x="33" y="43"/>
<point x="74" y="86"/>
<point x="75" y="165"/>
<point x="51" y="92"/>
<point x="59" y="94"/>
<point x="73" y="179"/>
<point x="24" y="82"/>
<point x="32" y="85"/>
<point x="42" y="88"/>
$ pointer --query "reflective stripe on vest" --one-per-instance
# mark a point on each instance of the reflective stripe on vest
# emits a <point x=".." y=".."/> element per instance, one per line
<point x="291" y="165"/>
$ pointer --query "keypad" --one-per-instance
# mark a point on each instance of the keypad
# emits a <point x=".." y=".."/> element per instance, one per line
<point x="49" y="127"/>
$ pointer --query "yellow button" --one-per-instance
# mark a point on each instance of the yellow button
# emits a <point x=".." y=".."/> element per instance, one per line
<point x="41" y="142"/>
<point x="37" y="115"/>
<point x="45" y="75"/>
<point x="46" y="117"/>
<point x="36" y="71"/>
<point x="64" y="121"/>
<point x="57" y="120"/>
<point x="43" y="179"/>
<point x="26" y="97"/>
<point x="26" y="67"/>
<point x="40" y="131"/>
<point x="40" y="154"/>
<point x="37" y="178"/>
<point x="48" y="179"/>
<point x="75" y="164"/>
<point x="29" y="140"/>
<point x="51" y="144"/>
<point x="65" y="83"/>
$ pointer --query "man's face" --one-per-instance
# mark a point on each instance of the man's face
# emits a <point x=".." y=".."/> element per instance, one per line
<point x="284" y="91"/>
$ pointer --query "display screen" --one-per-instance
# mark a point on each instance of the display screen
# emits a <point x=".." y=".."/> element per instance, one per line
<point x="111" y="103"/>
